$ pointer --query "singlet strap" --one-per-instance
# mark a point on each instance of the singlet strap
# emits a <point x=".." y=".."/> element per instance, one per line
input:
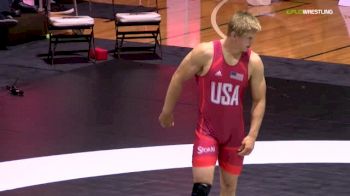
<point x="217" y="50"/>
<point x="246" y="56"/>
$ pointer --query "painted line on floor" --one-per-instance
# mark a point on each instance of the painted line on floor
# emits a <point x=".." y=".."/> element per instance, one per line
<point x="214" y="13"/>
<point x="42" y="170"/>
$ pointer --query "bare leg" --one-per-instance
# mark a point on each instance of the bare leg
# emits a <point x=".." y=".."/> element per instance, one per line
<point x="228" y="183"/>
<point x="202" y="180"/>
<point x="203" y="174"/>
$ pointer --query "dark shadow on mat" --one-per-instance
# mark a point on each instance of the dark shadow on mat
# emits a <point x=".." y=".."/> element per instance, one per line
<point x="140" y="56"/>
<point x="67" y="57"/>
<point x="67" y="60"/>
<point x="136" y="54"/>
<point x="67" y="52"/>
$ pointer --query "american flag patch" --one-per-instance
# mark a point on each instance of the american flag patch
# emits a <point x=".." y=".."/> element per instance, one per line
<point x="236" y="76"/>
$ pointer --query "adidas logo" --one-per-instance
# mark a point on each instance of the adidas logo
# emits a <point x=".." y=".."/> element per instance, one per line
<point x="218" y="73"/>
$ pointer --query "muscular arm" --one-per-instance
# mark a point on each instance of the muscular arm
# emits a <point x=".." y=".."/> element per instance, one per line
<point x="258" y="91"/>
<point x="258" y="88"/>
<point x="191" y="65"/>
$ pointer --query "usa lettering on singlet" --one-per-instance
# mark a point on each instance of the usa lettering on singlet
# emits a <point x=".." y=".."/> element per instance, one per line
<point x="224" y="93"/>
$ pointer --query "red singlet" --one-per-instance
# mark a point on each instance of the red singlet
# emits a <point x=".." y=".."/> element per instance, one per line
<point x="220" y="127"/>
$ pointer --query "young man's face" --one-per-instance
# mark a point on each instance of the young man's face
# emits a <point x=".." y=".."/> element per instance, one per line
<point x="245" y="41"/>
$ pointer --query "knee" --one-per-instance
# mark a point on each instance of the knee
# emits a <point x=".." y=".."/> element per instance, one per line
<point x="201" y="189"/>
<point x="228" y="187"/>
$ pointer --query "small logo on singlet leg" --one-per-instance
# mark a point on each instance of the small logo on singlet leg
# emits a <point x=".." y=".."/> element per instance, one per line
<point x="202" y="149"/>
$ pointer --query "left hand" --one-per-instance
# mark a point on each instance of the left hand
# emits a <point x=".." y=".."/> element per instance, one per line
<point x="247" y="146"/>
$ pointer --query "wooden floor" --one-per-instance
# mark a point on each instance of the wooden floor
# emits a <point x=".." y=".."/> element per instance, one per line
<point x="311" y="37"/>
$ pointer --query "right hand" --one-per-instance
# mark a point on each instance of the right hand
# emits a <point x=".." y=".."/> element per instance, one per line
<point x="166" y="120"/>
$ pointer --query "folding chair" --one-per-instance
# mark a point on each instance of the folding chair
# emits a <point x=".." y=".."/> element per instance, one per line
<point x="138" y="25"/>
<point x="81" y="29"/>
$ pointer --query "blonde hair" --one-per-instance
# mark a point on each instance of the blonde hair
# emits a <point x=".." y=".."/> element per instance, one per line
<point x="243" y="22"/>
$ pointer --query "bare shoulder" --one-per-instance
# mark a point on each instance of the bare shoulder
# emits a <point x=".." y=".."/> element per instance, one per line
<point x="202" y="53"/>
<point x="255" y="64"/>
<point x="195" y="62"/>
